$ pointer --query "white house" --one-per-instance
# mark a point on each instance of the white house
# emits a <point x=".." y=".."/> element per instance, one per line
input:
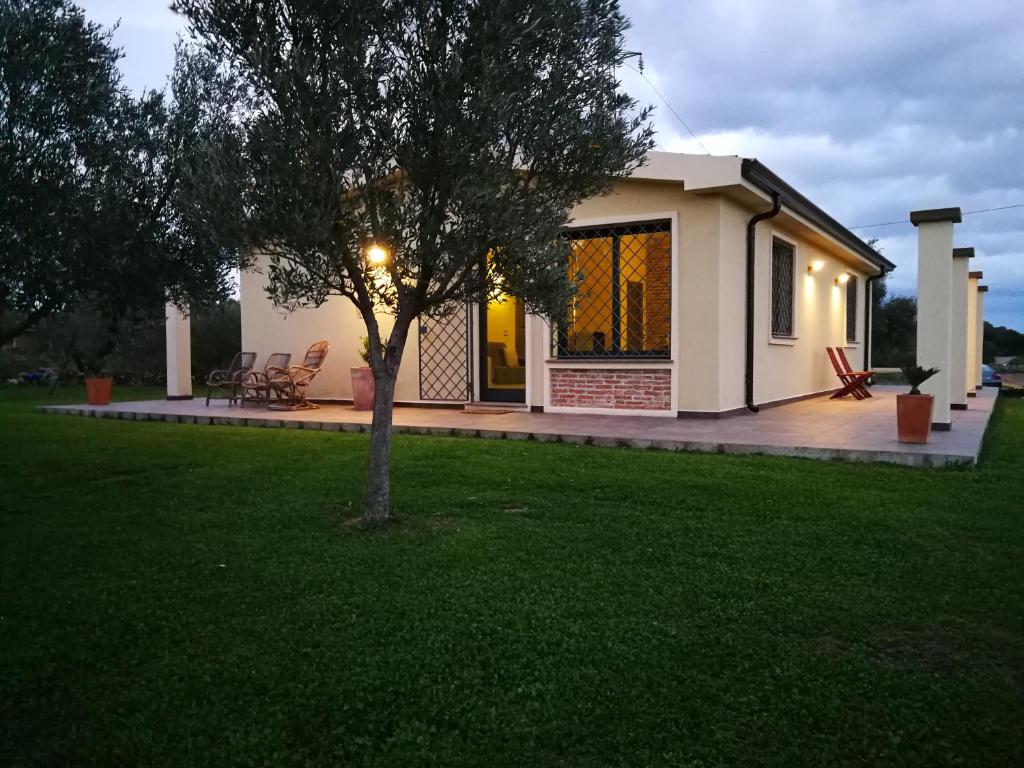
<point x="710" y="286"/>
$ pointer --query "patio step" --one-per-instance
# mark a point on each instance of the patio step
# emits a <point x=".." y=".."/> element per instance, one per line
<point x="481" y="407"/>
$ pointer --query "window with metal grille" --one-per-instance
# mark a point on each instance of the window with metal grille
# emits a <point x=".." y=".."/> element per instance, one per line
<point x="623" y="306"/>
<point x="782" y="288"/>
<point x="851" y="308"/>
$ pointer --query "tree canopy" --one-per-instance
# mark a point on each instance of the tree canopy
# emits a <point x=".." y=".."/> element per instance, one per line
<point x="454" y="135"/>
<point x="92" y="178"/>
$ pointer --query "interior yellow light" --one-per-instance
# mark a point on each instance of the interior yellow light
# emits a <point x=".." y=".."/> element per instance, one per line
<point x="815" y="266"/>
<point x="376" y="255"/>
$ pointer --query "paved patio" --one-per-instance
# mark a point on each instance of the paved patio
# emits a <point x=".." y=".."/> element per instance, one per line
<point x="819" y="428"/>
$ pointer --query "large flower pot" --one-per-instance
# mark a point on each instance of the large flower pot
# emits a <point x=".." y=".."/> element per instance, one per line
<point x="914" y="417"/>
<point x="97" y="389"/>
<point x="362" y="389"/>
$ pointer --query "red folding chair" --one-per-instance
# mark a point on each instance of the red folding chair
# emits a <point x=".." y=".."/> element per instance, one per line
<point x="853" y="381"/>
<point x="849" y="370"/>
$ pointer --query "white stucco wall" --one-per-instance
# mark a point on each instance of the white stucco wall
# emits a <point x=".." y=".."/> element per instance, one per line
<point x="786" y="368"/>
<point x="708" y="302"/>
<point x="267" y="329"/>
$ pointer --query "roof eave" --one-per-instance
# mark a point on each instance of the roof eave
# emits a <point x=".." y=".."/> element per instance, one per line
<point x="762" y="177"/>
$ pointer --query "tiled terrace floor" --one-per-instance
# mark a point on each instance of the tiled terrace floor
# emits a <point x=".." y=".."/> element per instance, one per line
<point x="819" y="428"/>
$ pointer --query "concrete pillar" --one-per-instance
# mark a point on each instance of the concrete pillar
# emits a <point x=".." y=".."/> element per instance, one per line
<point x="980" y="330"/>
<point x="934" y="304"/>
<point x="958" y="338"/>
<point x="179" y="354"/>
<point x="973" y="348"/>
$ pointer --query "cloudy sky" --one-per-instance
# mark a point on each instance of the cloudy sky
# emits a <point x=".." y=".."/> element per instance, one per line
<point x="872" y="108"/>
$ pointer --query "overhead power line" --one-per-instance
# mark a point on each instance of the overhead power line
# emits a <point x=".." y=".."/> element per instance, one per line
<point x="670" y="107"/>
<point x="965" y="213"/>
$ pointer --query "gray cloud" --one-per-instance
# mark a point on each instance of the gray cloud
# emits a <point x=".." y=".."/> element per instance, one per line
<point x="873" y="108"/>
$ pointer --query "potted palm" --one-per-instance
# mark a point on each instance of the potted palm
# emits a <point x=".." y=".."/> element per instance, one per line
<point x="914" y="410"/>
<point x="362" y="381"/>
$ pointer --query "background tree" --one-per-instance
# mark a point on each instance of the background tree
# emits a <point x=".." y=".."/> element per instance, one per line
<point x="148" y="240"/>
<point x="1000" y="341"/>
<point x="93" y="209"/>
<point x="457" y="135"/>
<point x="894" y="328"/>
<point x="58" y="92"/>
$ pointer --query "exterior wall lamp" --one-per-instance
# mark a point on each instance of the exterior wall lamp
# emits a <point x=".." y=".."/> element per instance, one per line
<point x="815" y="266"/>
<point x="376" y="255"/>
<point x="843" y="279"/>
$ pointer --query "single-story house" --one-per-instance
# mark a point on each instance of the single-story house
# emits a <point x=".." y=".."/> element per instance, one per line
<point x="708" y="286"/>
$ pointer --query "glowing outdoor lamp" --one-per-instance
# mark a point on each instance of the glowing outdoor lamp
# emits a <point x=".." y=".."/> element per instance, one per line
<point x="843" y="279"/>
<point x="815" y="266"/>
<point x="376" y="255"/>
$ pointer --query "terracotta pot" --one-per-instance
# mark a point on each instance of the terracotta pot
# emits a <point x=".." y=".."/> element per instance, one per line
<point x="362" y="389"/>
<point x="97" y="389"/>
<point x="914" y="417"/>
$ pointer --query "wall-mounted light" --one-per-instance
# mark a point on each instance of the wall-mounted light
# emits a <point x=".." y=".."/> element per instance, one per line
<point x="376" y="255"/>
<point x="843" y="279"/>
<point x="815" y="266"/>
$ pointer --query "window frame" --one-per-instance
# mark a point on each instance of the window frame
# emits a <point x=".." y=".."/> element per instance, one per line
<point x="791" y="338"/>
<point x="614" y="230"/>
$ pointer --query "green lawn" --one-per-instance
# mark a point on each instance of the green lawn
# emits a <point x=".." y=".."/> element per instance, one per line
<point x="177" y="595"/>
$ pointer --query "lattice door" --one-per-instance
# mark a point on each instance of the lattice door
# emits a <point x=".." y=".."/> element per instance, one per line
<point x="444" y="356"/>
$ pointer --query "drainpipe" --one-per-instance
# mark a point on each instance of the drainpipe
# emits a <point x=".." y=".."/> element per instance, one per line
<point x="869" y="306"/>
<point x="751" y="229"/>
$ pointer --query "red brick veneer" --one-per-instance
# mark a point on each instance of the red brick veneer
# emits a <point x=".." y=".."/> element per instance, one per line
<point x="642" y="389"/>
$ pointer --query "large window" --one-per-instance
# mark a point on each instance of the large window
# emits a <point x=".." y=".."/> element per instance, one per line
<point x="851" y="308"/>
<point x="782" y="289"/>
<point x="623" y="306"/>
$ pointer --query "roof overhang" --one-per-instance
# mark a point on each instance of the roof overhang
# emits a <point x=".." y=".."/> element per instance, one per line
<point x="750" y="183"/>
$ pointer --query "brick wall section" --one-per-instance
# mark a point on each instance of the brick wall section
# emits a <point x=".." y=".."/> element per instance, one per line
<point x="640" y="390"/>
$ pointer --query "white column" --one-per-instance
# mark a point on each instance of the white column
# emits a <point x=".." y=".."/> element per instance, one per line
<point x="934" y="303"/>
<point x="973" y="352"/>
<point x="958" y="338"/>
<point x="179" y="354"/>
<point x="980" y="330"/>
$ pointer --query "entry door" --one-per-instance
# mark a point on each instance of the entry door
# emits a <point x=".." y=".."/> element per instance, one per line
<point x="502" y="350"/>
<point x="444" y="356"/>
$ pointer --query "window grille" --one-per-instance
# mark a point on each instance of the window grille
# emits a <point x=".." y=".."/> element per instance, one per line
<point x="782" y="289"/>
<point x="623" y="305"/>
<point x="851" y="308"/>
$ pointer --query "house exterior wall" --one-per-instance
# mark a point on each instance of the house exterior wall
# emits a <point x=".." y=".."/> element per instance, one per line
<point x="796" y="367"/>
<point x="267" y="329"/>
<point x="705" y="372"/>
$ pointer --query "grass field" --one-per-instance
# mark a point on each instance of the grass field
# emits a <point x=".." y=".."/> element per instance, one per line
<point x="177" y="595"/>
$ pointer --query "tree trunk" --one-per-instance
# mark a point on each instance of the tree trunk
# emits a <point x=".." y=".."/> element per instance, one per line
<point x="377" y="502"/>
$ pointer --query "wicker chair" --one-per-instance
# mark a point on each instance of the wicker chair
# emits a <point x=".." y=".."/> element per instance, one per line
<point x="291" y="388"/>
<point x="230" y="381"/>
<point x="257" y="388"/>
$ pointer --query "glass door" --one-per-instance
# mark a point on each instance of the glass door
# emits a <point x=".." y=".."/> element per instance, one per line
<point x="503" y="350"/>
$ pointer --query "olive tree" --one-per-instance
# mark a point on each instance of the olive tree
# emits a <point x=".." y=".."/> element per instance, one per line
<point x="94" y="210"/>
<point x="449" y="139"/>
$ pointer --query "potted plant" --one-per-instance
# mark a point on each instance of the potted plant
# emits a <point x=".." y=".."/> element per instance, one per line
<point x="362" y="381"/>
<point x="914" y="410"/>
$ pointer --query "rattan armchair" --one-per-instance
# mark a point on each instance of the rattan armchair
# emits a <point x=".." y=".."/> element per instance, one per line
<point x="258" y="385"/>
<point x="230" y="380"/>
<point x="290" y="389"/>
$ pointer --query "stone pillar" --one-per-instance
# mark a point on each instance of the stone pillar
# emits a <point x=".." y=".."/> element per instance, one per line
<point x="980" y="330"/>
<point x="958" y="339"/>
<point x="973" y="349"/>
<point x="179" y="354"/>
<point x="934" y="304"/>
